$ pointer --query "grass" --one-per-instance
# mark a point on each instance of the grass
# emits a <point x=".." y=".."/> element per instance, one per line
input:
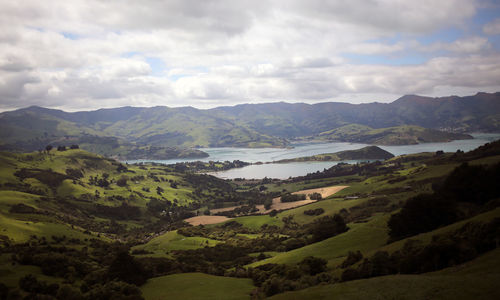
<point x="191" y="286"/>
<point x="331" y="206"/>
<point x="427" y="236"/>
<point x="21" y="230"/>
<point x="11" y="273"/>
<point x="477" y="279"/>
<point x="173" y="241"/>
<point x="256" y="222"/>
<point x="9" y="198"/>
<point x="362" y="236"/>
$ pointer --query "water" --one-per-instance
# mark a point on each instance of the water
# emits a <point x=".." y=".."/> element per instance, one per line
<point x="280" y="171"/>
<point x="283" y="171"/>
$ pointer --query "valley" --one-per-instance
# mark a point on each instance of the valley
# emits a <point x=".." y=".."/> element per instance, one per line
<point x="119" y="229"/>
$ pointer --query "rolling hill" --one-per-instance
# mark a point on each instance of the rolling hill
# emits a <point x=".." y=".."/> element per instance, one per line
<point x="121" y="130"/>
<point x="75" y="225"/>
<point x="366" y="153"/>
<point x="399" y="135"/>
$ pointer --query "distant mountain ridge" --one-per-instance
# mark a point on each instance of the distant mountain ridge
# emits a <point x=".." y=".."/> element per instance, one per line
<point x="246" y="125"/>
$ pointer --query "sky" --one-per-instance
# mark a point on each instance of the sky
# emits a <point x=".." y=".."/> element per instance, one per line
<point x="91" y="54"/>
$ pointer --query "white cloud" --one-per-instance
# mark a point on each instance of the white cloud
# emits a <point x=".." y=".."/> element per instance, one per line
<point x="468" y="45"/>
<point x="85" y="54"/>
<point x="492" y="28"/>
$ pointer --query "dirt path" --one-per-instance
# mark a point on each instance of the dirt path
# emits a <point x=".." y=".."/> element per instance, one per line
<point x="205" y="220"/>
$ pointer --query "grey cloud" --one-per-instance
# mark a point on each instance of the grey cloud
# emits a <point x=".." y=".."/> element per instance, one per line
<point x="227" y="52"/>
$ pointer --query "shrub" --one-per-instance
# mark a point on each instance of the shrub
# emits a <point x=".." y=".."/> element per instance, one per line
<point x="315" y="196"/>
<point x="292" y="197"/>
<point x="351" y="259"/>
<point x="326" y="227"/>
<point x="314" y="212"/>
<point x="122" y="181"/>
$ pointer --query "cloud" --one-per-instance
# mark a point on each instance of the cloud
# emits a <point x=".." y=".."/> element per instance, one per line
<point x="468" y="45"/>
<point x="492" y="28"/>
<point x="87" y="54"/>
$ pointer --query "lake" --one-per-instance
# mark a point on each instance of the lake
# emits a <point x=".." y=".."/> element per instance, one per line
<point x="283" y="171"/>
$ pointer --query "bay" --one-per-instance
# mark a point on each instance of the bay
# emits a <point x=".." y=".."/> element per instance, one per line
<point x="283" y="171"/>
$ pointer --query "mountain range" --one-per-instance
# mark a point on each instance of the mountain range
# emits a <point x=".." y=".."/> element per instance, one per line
<point x="120" y="131"/>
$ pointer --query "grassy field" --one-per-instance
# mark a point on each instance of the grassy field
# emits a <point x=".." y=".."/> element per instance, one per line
<point x="477" y="279"/>
<point x="255" y="222"/>
<point x="362" y="236"/>
<point x="171" y="240"/>
<point x="191" y="286"/>
<point x="10" y="273"/>
<point x="427" y="237"/>
<point x="330" y="206"/>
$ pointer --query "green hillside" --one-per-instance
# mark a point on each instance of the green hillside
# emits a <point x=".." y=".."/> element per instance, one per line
<point x="475" y="280"/>
<point x="399" y="135"/>
<point x="75" y="225"/>
<point x="131" y="132"/>
<point x="197" y="286"/>
<point x="368" y="153"/>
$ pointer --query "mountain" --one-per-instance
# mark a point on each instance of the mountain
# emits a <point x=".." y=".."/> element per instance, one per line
<point x="480" y="112"/>
<point x="34" y="127"/>
<point x="247" y="125"/>
<point x="399" y="135"/>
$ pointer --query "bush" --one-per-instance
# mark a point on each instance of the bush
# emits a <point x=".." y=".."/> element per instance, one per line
<point x="326" y="227"/>
<point x="422" y="213"/>
<point x="313" y="265"/>
<point x="122" y="181"/>
<point x="268" y="203"/>
<point x="74" y="173"/>
<point x="292" y="197"/>
<point x="315" y="196"/>
<point x="314" y="212"/>
<point x="125" y="268"/>
<point x="351" y="259"/>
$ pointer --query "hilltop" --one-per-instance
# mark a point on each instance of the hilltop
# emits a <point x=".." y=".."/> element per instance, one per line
<point x="127" y="131"/>
<point x="399" y="135"/>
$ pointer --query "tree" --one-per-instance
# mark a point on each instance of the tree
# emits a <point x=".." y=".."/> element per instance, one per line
<point x="122" y="181"/>
<point x="326" y="227"/>
<point x="74" y="147"/>
<point x="159" y="190"/>
<point x="313" y="265"/>
<point x="421" y="213"/>
<point x="48" y="148"/>
<point x="315" y="196"/>
<point x="352" y="258"/>
<point x="125" y="268"/>
<point x="268" y="203"/>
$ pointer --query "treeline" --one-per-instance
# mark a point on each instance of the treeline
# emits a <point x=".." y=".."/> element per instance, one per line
<point x="415" y="257"/>
<point x="211" y="166"/>
<point x="468" y="190"/>
<point x="91" y="269"/>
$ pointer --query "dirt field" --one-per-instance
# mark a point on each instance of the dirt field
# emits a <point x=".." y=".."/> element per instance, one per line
<point x="218" y="210"/>
<point x="205" y="220"/>
<point x="278" y="205"/>
<point x="325" y="191"/>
